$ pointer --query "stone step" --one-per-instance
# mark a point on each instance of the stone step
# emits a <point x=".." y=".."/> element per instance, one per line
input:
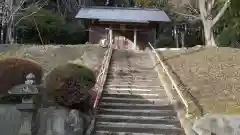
<point x="135" y="125"/>
<point x="133" y="75"/>
<point x="133" y="84"/>
<point x="130" y="86"/>
<point x="133" y="66"/>
<point x="101" y="132"/>
<point x="131" y="112"/>
<point x="155" y="77"/>
<point x="129" y="83"/>
<point x="148" y="80"/>
<point x="117" y="68"/>
<point x="134" y="91"/>
<point x="134" y="106"/>
<point x="138" y="116"/>
<point x="135" y="119"/>
<point x="133" y="62"/>
<point x="147" y="74"/>
<point x="131" y="70"/>
<point x="160" y="88"/>
<point x="137" y="128"/>
<point x="134" y="95"/>
<point x="128" y="95"/>
<point x="113" y="80"/>
<point x="131" y="56"/>
<point x="134" y="101"/>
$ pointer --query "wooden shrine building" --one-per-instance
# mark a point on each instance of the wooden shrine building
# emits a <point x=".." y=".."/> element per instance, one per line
<point x="124" y="28"/>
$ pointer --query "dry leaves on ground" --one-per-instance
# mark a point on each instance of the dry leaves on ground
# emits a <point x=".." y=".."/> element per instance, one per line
<point x="212" y="76"/>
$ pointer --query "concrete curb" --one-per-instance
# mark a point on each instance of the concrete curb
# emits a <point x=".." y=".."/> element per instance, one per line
<point x="187" y="126"/>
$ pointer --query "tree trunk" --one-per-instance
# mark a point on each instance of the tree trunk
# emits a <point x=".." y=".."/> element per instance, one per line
<point x="10" y="34"/>
<point x="4" y="38"/>
<point x="206" y="7"/>
<point x="208" y="32"/>
<point x="9" y="23"/>
<point x="1" y="33"/>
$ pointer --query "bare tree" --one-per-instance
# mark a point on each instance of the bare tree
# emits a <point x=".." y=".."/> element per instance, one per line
<point x="10" y="9"/>
<point x="69" y="8"/>
<point x="204" y="13"/>
<point x="206" y="7"/>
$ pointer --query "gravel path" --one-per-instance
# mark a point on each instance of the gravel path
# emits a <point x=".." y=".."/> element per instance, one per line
<point x="212" y="76"/>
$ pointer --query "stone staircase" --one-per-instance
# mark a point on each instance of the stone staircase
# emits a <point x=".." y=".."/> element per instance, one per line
<point x="133" y="101"/>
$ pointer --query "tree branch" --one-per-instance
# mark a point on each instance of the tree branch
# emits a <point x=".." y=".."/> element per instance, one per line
<point x="202" y="7"/>
<point x="221" y="12"/>
<point x="36" y="3"/>
<point x="15" y="10"/>
<point x="59" y="9"/>
<point x="190" y="7"/>
<point x="39" y="34"/>
<point x="210" y="4"/>
<point x="213" y="2"/>
<point x="24" y="17"/>
<point x="188" y="15"/>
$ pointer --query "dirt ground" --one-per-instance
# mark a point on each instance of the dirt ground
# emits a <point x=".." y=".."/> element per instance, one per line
<point x="50" y="56"/>
<point x="212" y="76"/>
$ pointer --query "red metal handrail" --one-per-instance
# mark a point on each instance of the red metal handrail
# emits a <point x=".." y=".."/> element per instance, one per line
<point x="102" y="75"/>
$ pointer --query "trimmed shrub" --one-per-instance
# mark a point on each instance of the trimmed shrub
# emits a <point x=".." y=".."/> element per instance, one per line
<point x="13" y="72"/>
<point x="70" y="85"/>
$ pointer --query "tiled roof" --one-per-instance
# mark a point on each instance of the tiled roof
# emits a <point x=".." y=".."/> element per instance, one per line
<point x="119" y="14"/>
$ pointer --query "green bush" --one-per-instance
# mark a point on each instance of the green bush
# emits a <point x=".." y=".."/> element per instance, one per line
<point x="70" y="33"/>
<point x="52" y="27"/>
<point x="228" y="36"/>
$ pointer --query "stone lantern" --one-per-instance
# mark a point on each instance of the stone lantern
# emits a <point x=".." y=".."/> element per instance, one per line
<point x="26" y="92"/>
